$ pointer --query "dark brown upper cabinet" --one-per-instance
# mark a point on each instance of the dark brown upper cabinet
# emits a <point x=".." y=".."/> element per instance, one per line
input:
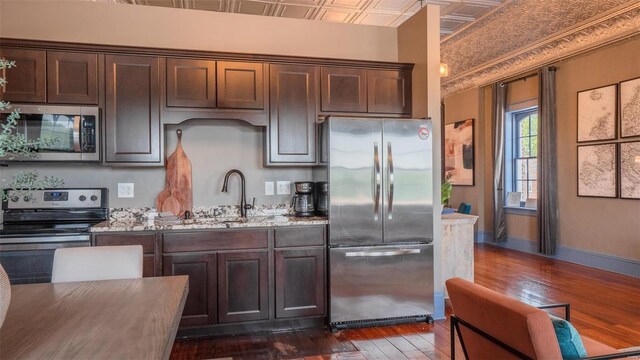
<point x="292" y="125"/>
<point x="26" y="82"/>
<point x="72" y="78"/>
<point x="191" y="83"/>
<point x="343" y="89"/>
<point x="240" y="85"/>
<point x="132" y="111"/>
<point x="389" y="91"/>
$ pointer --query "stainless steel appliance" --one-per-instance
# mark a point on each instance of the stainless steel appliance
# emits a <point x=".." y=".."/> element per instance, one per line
<point x="380" y="220"/>
<point x="322" y="198"/>
<point x="302" y="200"/>
<point x="66" y="133"/>
<point x="38" y="222"/>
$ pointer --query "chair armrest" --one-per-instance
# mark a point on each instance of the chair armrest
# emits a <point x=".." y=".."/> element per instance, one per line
<point x="567" y="309"/>
<point x="618" y="355"/>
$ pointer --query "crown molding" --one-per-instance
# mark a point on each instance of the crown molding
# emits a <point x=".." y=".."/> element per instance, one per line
<point x="612" y="26"/>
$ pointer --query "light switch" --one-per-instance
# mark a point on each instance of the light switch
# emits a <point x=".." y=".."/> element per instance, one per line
<point x="268" y="188"/>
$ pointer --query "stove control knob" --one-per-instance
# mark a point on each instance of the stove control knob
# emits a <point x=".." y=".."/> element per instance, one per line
<point x="26" y="198"/>
<point x="82" y="198"/>
<point x="15" y="198"/>
<point x="94" y="198"/>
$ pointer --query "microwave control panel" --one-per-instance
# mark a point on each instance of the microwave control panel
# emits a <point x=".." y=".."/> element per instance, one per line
<point x="88" y="136"/>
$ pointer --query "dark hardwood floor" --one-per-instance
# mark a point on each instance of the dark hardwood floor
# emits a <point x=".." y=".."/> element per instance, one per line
<point x="604" y="306"/>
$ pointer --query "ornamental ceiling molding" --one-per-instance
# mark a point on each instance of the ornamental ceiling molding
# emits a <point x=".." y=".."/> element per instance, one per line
<point x="614" y="26"/>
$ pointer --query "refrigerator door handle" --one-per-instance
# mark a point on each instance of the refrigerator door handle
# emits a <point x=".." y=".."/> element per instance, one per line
<point x="390" y="179"/>
<point x="377" y="181"/>
<point x="382" y="253"/>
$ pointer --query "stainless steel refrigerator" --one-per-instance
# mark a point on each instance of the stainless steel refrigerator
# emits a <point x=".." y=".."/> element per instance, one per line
<point x="380" y="220"/>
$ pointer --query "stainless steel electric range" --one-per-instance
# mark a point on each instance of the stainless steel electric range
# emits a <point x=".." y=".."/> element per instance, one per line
<point x="36" y="223"/>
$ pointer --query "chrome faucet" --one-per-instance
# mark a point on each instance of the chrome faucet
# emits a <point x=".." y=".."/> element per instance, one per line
<point x="243" y="200"/>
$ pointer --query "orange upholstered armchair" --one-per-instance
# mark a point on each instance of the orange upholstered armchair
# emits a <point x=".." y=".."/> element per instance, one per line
<point x="490" y="325"/>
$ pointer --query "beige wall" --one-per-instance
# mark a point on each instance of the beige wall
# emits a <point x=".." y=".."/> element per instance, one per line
<point x="151" y="26"/>
<point x="606" y="226"/>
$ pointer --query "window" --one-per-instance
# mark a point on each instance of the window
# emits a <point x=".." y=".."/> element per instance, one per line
<point x="522" y="162"/>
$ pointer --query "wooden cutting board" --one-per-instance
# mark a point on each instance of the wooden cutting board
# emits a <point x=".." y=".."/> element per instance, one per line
<point x="177" y="197"/>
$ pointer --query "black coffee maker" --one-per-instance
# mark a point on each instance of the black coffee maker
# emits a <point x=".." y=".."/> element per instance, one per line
<point x="302" y="200"/>
<point x="322" y="198"/>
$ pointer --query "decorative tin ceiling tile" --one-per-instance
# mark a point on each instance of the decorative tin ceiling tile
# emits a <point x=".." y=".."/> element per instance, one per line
<point x="211" y="5"/>
<point x="344" y="16"/>
<point x="252" y="7"/>
<point x="295" y="11"/>
<point x="369" y="18"/>
<point x="351" y="4"/>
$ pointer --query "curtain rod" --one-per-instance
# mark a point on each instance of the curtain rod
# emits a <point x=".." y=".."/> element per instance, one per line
<point x="502" y="83"/>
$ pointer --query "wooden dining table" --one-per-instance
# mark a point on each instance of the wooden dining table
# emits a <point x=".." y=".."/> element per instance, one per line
<point x="110" y="319"/>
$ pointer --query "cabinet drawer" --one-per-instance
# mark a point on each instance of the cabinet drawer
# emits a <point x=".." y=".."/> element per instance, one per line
<point x="300" y="236"/>
<point x="214" y="240"/>
<point x="148" y="241"/>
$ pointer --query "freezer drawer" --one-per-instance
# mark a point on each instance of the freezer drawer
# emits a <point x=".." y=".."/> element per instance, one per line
<point x="380" y="282"/>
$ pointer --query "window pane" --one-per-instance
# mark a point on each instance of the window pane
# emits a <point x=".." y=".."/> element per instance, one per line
<point x="534" y="124"/>
<point x="523" y="127"/>
<point x="521" y="169"/>
<point x="524" y="147"/>
<point x="533" y="169"/>
<point x="533" y="189"/>
<point x="521" y="187"/>
<point x="534" y="146"/>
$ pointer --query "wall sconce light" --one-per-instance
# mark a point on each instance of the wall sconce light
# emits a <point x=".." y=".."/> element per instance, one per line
<point x="444" y="70"/>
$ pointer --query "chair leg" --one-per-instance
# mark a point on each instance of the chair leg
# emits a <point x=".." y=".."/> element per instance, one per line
<point x="453" y="325"/>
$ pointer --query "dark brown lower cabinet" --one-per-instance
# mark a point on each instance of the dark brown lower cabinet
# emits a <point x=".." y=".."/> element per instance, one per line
<point x="200" y="308"/>
<point x="300" y="282"/>
<point x="243" y="286"/>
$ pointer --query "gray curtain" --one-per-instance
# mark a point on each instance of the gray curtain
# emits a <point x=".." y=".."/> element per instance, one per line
<point x="547" y="162"/>
<point x="499" y="109"/>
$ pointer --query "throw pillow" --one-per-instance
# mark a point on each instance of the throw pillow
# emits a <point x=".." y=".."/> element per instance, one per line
<point x="570" y="342"/>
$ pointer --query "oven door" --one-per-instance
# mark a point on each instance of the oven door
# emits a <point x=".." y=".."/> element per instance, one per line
<point x="63" y="133"/>
<point x="29" y="260"/>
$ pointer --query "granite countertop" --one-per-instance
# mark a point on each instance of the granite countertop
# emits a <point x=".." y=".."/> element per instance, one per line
<point x="205" y="218"/>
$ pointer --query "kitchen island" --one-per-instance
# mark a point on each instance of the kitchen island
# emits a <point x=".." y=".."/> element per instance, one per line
<point x="457" y="246"/>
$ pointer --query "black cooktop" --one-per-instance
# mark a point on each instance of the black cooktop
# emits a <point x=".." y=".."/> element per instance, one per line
<point x="44" y="229"/>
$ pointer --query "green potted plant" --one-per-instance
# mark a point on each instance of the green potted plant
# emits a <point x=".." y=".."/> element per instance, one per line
<point x="445" y="193"/>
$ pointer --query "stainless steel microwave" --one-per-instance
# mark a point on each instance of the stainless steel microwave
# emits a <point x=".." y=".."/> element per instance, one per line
<point x="65" y="133"/>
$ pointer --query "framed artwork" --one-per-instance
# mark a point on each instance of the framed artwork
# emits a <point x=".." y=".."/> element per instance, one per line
<point x="597" y="114"/>
<point x="459" y="153"/>
<point x="597" y="170"/>
<point x="630" y="170"/>
<point x="630" y="108"/>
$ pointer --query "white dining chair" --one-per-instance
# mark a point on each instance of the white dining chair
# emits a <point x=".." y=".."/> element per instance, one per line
<point x="5" y="294"/>
<point x="97" y="263"/>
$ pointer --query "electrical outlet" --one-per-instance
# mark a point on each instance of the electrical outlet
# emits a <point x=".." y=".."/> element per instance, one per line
<point x="125" y="190"/>
<point x="284" y="187"/>
<point x="268" y="188"/>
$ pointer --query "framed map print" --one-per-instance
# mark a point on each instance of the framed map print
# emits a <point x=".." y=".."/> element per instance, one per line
<point x="597" y="114"/>
<point x="597" y="170"/>
<point x="458" y="152"/>
<point x="630" y="108"/>
<point x="630" y="170"/>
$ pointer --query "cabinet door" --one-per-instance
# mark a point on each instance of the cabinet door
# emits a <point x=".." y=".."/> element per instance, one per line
<point x="151" y="265"/>
<point x="200" y="308"/>
<point x="72" y="78"/>
<point x="26" y="82"/>
<point x="240" y="85"/>
<point x="243" y="286"/>
<point x="292" y="129"/>
<point x="191" y="83"/>
<point x="132" y="111"/>
<point x="389" y="91"/>
<point x="300" y="282"/>
<point x="343" y="89"/>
